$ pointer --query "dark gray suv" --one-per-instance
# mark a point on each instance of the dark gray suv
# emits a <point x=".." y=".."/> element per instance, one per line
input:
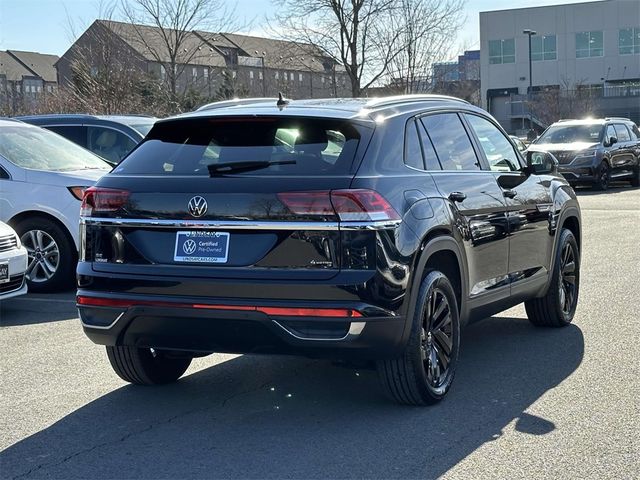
<point x="594" y="151"/>
<point x="111" y="137"/>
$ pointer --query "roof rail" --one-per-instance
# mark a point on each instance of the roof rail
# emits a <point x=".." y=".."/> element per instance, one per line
<point x="399" y="99"/>
<point x="618" y="118"/>
<point x="235" y="102"/>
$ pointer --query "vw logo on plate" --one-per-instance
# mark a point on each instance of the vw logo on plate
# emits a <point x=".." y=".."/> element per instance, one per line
<point x="189" y="247"/>
<point x="197" y="206"/>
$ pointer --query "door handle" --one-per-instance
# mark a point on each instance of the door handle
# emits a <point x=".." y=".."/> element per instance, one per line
<point x="457" y="196"/>
<point x="509" y="193"/>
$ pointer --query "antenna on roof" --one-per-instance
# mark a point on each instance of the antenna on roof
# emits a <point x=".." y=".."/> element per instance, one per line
<point x="282" y="102"/>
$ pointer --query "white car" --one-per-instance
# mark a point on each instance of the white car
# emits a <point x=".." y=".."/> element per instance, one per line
<point x="13" y="263"/>
<point x="42" y="179"/>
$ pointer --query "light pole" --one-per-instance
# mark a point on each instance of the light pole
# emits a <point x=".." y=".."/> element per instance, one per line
<point x="529" y="33"/>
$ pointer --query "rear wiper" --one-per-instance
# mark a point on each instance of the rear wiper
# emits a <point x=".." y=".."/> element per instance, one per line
<point x="218" y="169"/>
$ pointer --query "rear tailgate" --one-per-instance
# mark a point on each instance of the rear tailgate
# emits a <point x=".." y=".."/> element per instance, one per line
<point x="179" y="217"/>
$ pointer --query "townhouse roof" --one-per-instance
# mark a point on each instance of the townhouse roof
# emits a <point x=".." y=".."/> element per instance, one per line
<point x="148" y="42"/>
<point x="210" y="48"/>
<point x="41" y="64"/>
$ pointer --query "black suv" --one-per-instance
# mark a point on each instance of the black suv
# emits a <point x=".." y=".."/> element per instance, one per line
<point x="594" y="152"/>
<point x="342" y="228"/>
<point x="111" y="137"/>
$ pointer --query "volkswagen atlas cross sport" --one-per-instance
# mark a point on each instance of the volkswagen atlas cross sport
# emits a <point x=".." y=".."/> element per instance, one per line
<point x="341" y="228"/>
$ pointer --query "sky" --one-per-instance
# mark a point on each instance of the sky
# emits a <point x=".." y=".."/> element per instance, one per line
<point x="44" y="25"/>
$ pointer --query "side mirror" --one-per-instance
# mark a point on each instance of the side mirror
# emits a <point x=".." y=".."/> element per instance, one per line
<point x="611" y="141"/>
<point x="541" y="162"/>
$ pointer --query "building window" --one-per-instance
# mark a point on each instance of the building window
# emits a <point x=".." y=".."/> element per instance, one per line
<point x="300" y="77"/>
<point x="39" y="88"/>
<point x="194" y="73"/>
<point x="234" y="74"/>
<point x="543" y="47"/>
<point x="276" y="75"/>
<point x="163" y="72"/>
<point x="502" y="51"/>
<point x="629" y="41"/>
<point x="251" y="74"/>
<point x="205" y="71"/>
<point x="293" y="76"/>
<point x="260" y="75"/>
<point x="322" y="78"/>
<point x="589" y="44"/>
<point x="49" y="89"/>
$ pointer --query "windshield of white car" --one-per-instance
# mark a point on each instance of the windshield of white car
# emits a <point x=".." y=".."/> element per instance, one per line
<point x="39" y="149"/>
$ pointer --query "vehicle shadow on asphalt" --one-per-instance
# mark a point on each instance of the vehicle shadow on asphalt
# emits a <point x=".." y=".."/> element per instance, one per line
<point x="614" y="187"/>
<point x="21" y="311"/>
<point x="279" y="417"/>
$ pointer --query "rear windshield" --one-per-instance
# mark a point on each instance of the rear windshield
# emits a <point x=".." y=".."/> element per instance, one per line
<point x="282" y="146"/>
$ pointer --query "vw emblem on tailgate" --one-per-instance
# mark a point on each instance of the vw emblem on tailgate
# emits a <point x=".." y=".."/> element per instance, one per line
<point x="197" y="206"/>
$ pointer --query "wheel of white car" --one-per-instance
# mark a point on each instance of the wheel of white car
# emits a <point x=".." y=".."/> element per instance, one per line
<point x="52" y="258"/>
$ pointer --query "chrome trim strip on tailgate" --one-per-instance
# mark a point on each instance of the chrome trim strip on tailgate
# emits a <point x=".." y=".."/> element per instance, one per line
<point x="239" y="224"/>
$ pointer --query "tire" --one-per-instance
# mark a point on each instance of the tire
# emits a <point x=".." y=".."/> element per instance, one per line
<point x="146" y="366"/>
<point x="409" y="379"/>
<point x="635" y="181"/>
<point x="558" y="306"/>
<point x="604" y="176"/>
<point x="52" y="255"/>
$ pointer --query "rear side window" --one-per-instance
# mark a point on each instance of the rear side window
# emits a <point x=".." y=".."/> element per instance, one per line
<point x="428" y="151"/>
<point x="451" y="142"/>
<point x="622" y="133"/>
<point x="280" y="145"/>
<point x="635" y="132"/>
<point x="610" y="132"/>
<point x="412" y="150"/>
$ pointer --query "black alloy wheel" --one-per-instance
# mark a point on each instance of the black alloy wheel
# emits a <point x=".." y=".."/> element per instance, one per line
<point x="423" y="373"/>
<point x="558" y="306"/>
<point x="568" y="290"/>
<point x="436" y="338"/>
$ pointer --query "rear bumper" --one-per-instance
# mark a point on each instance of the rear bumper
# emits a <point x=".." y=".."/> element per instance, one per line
<point x="206" y="328"/>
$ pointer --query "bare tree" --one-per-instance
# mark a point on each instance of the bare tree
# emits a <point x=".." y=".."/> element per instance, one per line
<point x="569" y="100"/>
<point x="426" y="28"/>
<point x="172" y="43"/>
<point x="356" y="34"/>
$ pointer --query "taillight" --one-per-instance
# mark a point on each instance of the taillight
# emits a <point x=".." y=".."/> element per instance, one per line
<point x="351" y="205"/>
<point x="362" y="205"/>
<point x="101" y="200"/>
<point x="77" y="192"/>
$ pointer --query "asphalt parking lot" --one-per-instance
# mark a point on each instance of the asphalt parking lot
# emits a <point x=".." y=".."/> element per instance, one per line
<point x="526" y="403"/>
